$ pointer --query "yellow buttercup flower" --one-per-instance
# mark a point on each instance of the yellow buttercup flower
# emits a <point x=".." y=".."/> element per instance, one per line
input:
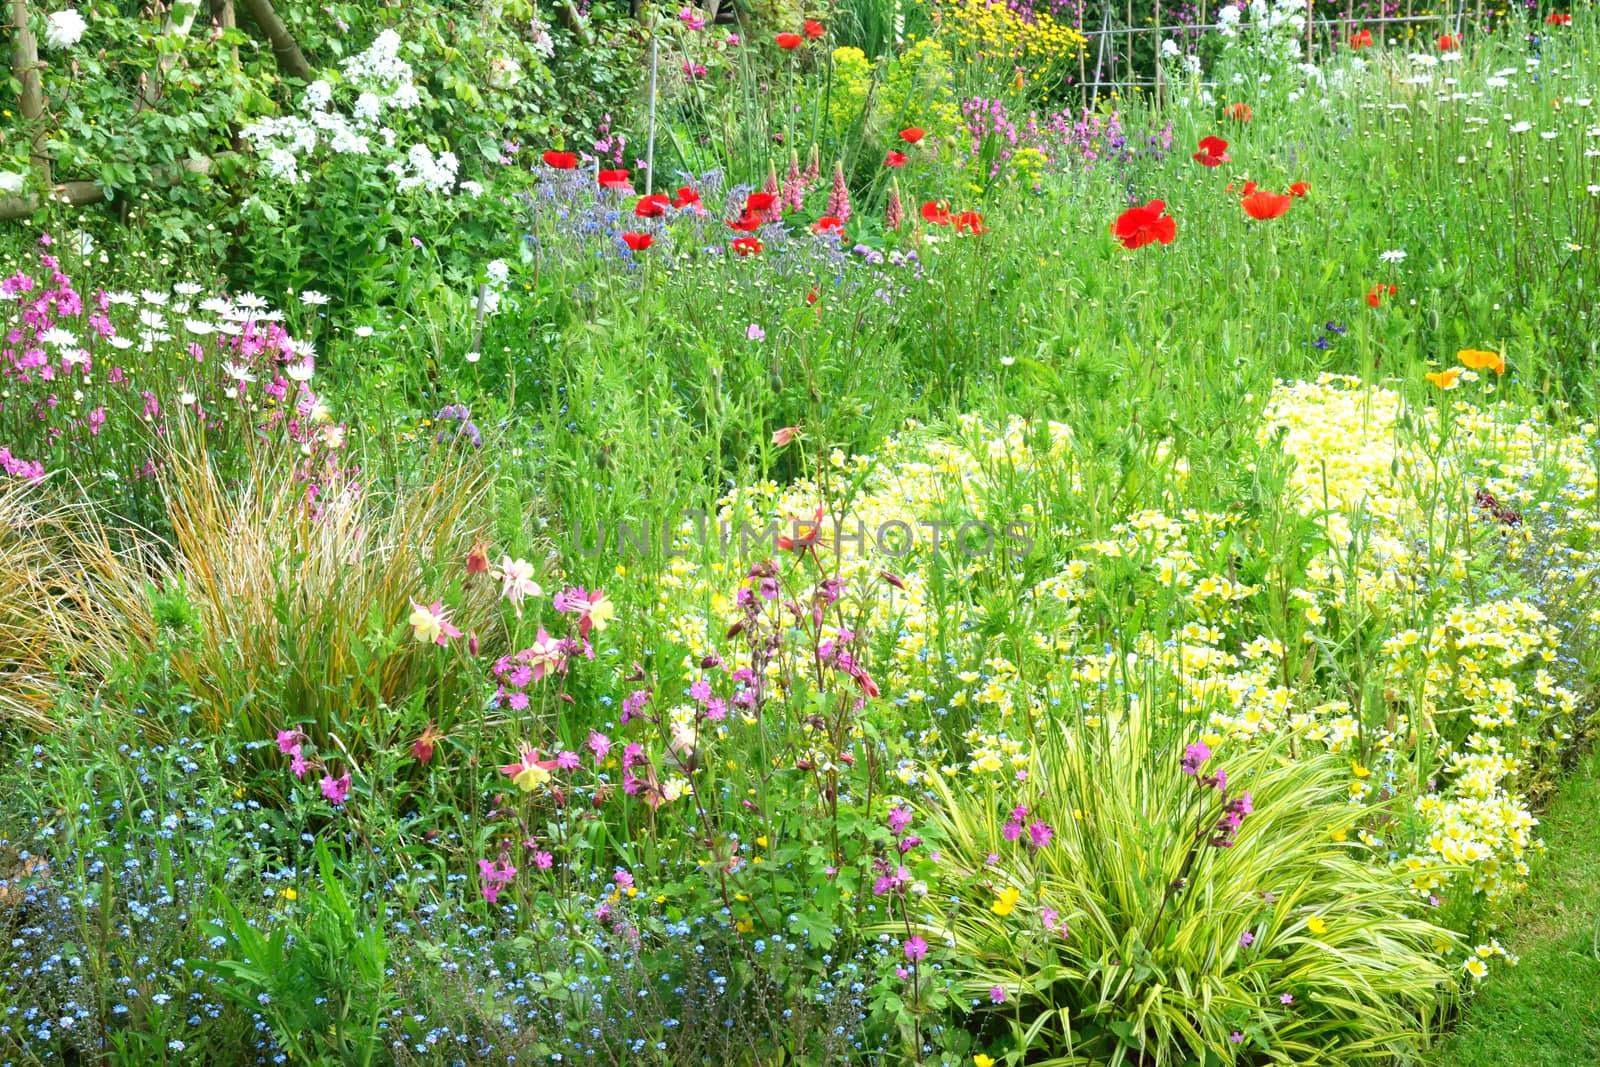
<point x="980" y="1060"/>
<point x="1317" y="925"/>
<point x="1005" y="901"/>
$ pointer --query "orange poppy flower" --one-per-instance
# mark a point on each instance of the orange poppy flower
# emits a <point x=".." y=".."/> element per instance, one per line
<point x="1476" y="359"/>
<point x="1445" y="379"/>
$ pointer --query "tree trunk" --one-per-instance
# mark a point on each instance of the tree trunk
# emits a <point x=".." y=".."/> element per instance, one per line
<point x="25" y="65"/>
<point x="82" y="194"/>
<point x="290" y="59"/>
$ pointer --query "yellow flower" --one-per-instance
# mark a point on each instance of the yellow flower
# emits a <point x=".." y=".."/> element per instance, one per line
<point x="530" y="777"/>
<point x="744" y="926"/>
<point x="1317" y="925"/>
<point x="1338" y="835"/>
<point x="980" y="1060"/>
<point x="1476" y="968"/>
<point x="1005" y="901"/>
<point x="1474" y="359"/>
<point x="290" y="894"/>
<point x="1358" y="770"/>
<point x="762" y="841"/>
<point x="1445" y="379"/>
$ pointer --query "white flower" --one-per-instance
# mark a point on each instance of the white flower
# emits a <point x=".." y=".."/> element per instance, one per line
<point x="1521" y="127"/>
<point x="152" y="320"/>
<point x="154" y="296"/>
<point x="473" y="357"/>
<point x="186" y="289"/>
<point x="1169" y="48"/>
<point x="312" y="298"/>
<point x="11" y="182"/>
<point x="250" y="302"/>
<point x="59" y="338"/>
<point x="302" y="371"/>
<point x="1394" y="255"/>
<point x="63" y="29"/>
<point x="238" y="372"/>
<point x="363" y="331"/>
<point x="186" y="398"/>
<point x="499" y="273"/>
<point x="318" y="95"/>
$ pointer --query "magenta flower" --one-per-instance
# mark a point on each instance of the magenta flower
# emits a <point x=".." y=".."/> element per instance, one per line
<point x="599" y="744"/>
<point x="916" y="948"/>
<point x="997" y="995"/>
<point x="1287" y="998"/>
<point x="543" y="860"/>
<point x="1194" y="756"/>
<point x="899" y="819"/>
<point x="496" y="876"/>
<point x="337" y="790"/>
<point x="298" y="766"/>
<point x="289" y="741"/>
<point x="1246" y="939"/>
<point x="568" y="761"/>
<point x="1040" y="833"/>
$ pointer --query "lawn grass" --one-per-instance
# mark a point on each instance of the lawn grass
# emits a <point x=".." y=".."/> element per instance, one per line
<point x="1546" y="1011"/>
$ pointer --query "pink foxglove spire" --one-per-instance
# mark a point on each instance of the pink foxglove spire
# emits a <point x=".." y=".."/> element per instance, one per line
<point x="839" y="195"/>
<point x="775" y="212"/>
<point x="794" y="184"/>
<point x="894" y="213"/>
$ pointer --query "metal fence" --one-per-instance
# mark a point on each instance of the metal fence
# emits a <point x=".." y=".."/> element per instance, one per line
<point x="1113" y="70"/>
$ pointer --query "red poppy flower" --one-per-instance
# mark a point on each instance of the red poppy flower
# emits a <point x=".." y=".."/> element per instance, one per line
<point x="1376" y="294"/>
<point x="1265" y="204"/>
<point x="813" y="296"/>
<point x="936" y="212"/>
<point x="912" y="134"/>
<point x="1299" y="188"/>
<point x="613" y="179"/>
<point x="1139" y="226"/>
<point x="747" y="246"/>
<point x="827" y="224"/>
<point x="1239" y="112"/>
<point x="1249" y="187"/>
<point x="560" y="160"/>
<point x="970" y="220"/>
<point x="759" y="202"/>
<point x="1213" y="152"/>
<point x="812" y="29"/>
<point x="789" y="41"/>
<point x="638" y="241"/>
<point x="746" y="223"/>
<point x="1361" y="39"/>
<point x="1558" y="18"/>
<point x="652" y="207"/>
<point x="686" y="197"/>
<point x="1448" y="43"/>
<point x="895" y="159"/>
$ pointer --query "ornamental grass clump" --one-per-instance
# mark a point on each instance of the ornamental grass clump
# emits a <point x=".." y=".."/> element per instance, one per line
<point x="1133" y="900"/>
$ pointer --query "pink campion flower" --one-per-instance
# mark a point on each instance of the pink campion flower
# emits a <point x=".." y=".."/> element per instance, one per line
<point x="600" y="745"/>
<point x="299" y="765"/>
<point x="691" y="18"/>
<point x="997" y="995"/>
<point x="899" y="819"/>
<point x="1247" y="939"/>
<point x="1040" y="833"/>
<point x="916" y="948"/>
<point x="496" y="876"/>
<point x="337" y="790"/>
<point x="289" y="741"/>
<point x="1194" y="756"/>
<point x="543" y="860"/>
<point x="568" y="761"/>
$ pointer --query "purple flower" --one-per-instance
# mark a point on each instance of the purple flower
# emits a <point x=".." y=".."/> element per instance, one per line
<point x="997" y="995"/>
<point x="599" y="744"/>
<point x="1287" y="998"/>
<point x="298" y="766"/>
<point x="1246" y="939"/>
<point x="1236" y="1038"/>
<point x="899" y="819"/>
<point x="568" y="761"/>
<point x="916" y="948"/>
<point x="755" y="333"/>
<point x="1194" y="756"/>
<point x="289" y="741"/>
<point x="1040" y="833"/>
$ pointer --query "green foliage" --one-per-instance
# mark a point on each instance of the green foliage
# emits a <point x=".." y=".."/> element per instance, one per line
<point x="318" y="976"/>
<point x="1136" y="938"/>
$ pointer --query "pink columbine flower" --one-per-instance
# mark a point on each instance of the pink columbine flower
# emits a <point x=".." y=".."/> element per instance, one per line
<point x="430" y="624"/>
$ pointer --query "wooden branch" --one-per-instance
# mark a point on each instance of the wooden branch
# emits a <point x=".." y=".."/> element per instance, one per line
<point x="82" y="194"/>
<point x="567" y="13"/>
<point x="25" y="65"/>
<point x="290" y="59"/>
